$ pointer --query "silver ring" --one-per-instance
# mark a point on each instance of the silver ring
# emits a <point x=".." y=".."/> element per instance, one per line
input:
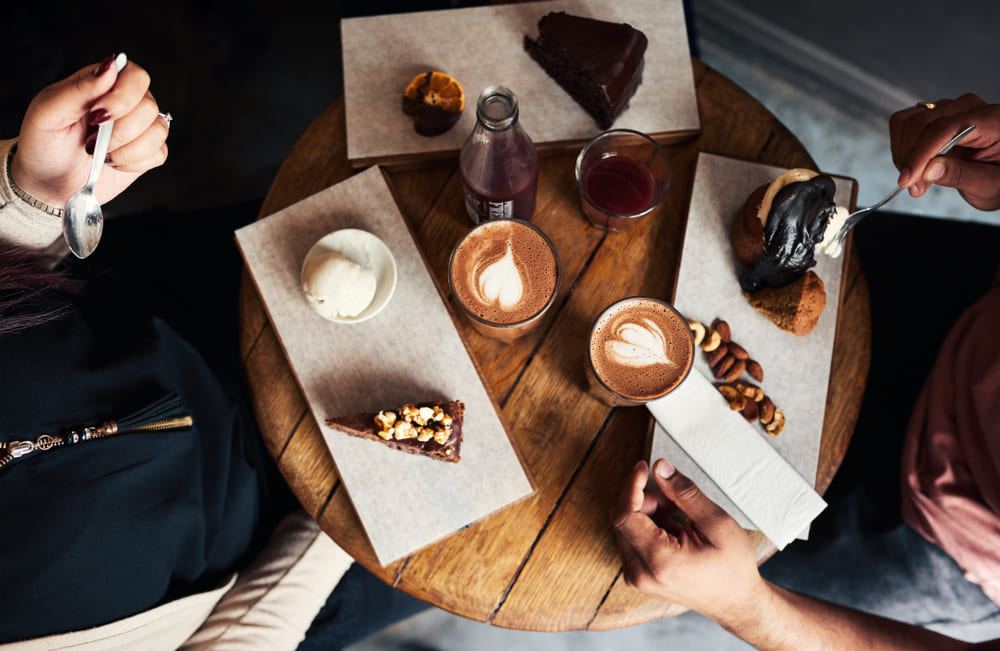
<point x="166" y="116"/>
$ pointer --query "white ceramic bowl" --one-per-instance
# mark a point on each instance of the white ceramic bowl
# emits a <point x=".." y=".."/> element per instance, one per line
<point x="367" y="250"/>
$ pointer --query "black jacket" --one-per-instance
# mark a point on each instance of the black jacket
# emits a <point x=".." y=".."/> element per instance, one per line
<point x="113" y="526"/>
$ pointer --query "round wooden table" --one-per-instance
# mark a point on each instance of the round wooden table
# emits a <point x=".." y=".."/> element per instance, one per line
<point x="547" y="563"/>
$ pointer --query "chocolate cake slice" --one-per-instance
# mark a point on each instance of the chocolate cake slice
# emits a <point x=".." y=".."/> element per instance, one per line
<point x="432" y="429"/>
<point x="597" y="62"/>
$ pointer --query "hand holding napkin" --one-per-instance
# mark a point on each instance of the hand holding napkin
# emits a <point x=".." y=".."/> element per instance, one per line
<point x="759" y="482"/>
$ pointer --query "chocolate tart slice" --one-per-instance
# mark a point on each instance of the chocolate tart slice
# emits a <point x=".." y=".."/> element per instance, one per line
<point x="598" y="63"/>
<point x="430" y="429"/>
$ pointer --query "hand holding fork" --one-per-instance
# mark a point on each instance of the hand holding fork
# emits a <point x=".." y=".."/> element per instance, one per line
<point x="854" y="218"/>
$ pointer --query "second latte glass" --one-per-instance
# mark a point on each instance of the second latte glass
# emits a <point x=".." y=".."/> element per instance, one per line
<point x="640" y="348"/>
<point x="504" y="275"/>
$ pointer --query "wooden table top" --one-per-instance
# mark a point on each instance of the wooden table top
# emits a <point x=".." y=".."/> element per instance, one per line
<point x="548" y="563"/>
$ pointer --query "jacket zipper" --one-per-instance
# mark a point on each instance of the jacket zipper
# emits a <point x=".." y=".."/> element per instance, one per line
<point x="161" y="416"/>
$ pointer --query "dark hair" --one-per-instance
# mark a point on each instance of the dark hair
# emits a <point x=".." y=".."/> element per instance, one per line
<point x="28" y="282"/>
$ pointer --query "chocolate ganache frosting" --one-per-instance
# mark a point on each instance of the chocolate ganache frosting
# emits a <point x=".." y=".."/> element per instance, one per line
<point x="795" y="225"/>
<point x="599" y="63"/>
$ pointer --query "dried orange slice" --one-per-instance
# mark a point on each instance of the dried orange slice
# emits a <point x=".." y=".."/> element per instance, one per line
<point x="435" y="100"/>
<point x="437" y="89"/>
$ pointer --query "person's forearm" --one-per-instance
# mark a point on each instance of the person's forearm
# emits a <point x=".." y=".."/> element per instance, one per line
<point x="785" y="620"/>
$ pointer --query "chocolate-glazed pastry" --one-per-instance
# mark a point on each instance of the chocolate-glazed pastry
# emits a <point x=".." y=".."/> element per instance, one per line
<point x="598" y="63"/>
<point x="796" y="223"/>
<point x="776" y="235"/>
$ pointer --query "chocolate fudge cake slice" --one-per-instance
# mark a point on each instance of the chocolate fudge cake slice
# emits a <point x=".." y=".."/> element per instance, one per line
<point x="597" y="62"/>
<point x="432" y="429"/>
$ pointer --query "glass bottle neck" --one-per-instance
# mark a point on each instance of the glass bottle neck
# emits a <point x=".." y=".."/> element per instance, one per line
<point x="497" y="108"/>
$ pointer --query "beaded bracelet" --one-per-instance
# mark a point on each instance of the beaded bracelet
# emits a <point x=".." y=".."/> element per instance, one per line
<point x="24" y="196"/>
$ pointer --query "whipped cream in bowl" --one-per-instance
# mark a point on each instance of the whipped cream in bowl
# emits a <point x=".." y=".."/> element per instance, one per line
<point x="349" y="276"/>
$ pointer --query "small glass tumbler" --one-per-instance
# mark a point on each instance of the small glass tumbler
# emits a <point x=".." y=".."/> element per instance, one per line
<point x="623" y="175"/>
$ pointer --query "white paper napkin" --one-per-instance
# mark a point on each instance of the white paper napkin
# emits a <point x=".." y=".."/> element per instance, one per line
<point x="759" y="482"/>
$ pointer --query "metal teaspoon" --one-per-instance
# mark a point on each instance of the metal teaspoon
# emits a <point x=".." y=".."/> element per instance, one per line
<point x="83" y="220"/>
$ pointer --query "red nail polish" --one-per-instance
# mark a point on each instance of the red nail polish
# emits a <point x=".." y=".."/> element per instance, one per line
<point x="97" y="116"/>
<point x="105" y="65"/>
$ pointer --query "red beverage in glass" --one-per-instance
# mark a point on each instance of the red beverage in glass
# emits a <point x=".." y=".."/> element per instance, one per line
<point x="622" y="176"/>
<point x="620" y="185"/>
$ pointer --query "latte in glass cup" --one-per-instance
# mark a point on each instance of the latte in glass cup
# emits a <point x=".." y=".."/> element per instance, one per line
<point x="504" y="275"/>
<point x="640" y="348"/>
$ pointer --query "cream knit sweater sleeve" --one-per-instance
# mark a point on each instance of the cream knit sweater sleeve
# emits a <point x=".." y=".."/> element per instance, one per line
<point x="20" y="222"/>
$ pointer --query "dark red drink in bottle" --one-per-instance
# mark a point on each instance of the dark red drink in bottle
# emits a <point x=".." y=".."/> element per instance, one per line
<point x="498" y="163"/>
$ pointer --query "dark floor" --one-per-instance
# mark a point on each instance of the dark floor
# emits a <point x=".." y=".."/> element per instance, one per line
<point x="930" y="49"/>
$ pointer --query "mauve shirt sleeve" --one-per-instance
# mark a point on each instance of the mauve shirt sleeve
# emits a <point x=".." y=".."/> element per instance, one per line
<point x="951" y="458"/>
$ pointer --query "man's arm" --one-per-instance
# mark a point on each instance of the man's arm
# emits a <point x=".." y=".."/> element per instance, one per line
<point x="705" y="561"/>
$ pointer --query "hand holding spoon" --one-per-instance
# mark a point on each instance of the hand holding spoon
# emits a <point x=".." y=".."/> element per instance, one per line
<point x="83" y="220"/>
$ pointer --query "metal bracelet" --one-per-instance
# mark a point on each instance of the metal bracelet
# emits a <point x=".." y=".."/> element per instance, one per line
<point x="24" y="196"/>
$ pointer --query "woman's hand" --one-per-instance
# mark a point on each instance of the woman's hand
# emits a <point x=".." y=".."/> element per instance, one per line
<point x="60" y="126"/>
<point x="703" y="561"/>
<point x="972" y="167"/>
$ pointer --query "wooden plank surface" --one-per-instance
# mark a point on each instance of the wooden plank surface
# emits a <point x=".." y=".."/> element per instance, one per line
<point x="502" y="569"/>
<point x="564" y="580"/>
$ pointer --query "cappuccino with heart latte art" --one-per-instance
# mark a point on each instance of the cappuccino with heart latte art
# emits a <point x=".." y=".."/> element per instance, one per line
<point x="504" y="274"/>
<point x="640" y="348"/>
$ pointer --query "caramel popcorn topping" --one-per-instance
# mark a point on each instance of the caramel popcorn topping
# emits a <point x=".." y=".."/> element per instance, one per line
<point x="421" y="423"/>
<point x="404" y="430"/>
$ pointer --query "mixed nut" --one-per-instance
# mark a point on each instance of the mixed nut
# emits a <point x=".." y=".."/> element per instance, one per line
<point x="729" y="361"/>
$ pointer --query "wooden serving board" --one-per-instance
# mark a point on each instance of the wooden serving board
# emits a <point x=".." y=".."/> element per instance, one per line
<point x="483" y="46"/>
<point x="411" y="351"/>
<point x="796" y="369"/>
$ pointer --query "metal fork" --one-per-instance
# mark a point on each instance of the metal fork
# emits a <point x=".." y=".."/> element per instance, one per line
<point x="857" y="216"/>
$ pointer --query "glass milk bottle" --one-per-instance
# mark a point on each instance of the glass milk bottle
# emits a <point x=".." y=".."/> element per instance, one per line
<point x="498" y="163"/>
